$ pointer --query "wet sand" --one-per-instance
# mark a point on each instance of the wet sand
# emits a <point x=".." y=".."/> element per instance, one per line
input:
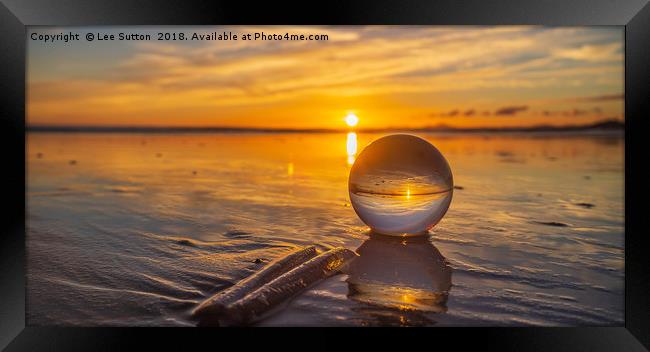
<point x="140" y="228"/>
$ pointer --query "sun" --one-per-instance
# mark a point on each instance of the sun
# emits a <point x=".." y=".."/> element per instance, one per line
<point x="352" y="120"/>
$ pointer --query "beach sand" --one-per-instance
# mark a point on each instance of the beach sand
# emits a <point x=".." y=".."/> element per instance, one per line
<point x="137" y="229"/>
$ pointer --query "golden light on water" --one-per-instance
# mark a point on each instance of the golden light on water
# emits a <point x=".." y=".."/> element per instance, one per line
<point x="352" y="143"/>
<point x="407" y="298"/>
<point x="352" y="120"/>
<point x="290" y="169"/>
<point x="408" y="193"/>
<point x="351" y="147"/>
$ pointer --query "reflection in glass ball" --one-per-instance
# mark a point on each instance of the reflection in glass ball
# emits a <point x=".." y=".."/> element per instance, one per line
<point x="407" y="274"/>
<point x="400" y="185"/>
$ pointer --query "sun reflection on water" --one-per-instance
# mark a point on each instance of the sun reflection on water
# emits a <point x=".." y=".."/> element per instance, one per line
<point x="351" y="147"/>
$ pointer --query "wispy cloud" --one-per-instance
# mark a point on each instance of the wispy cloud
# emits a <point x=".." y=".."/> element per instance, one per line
<point x="511" y="110"/>
<point x="592" y="52"/>
<point x="606" y="97"/>
<point x="387" y="72"/>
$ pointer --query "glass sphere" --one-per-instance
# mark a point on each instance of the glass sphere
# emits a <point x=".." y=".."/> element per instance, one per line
<point x="400" y="185"/>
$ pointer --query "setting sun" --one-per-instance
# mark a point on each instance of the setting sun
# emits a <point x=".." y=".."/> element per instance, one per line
<point x="352" y="120"/>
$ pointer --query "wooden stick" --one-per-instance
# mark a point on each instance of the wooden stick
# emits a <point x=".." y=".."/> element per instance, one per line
<point x="208" y="312"/>
<point x="256" y="304"/>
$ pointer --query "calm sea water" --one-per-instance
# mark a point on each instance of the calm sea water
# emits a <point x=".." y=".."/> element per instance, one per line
<point x="136" y="229"/>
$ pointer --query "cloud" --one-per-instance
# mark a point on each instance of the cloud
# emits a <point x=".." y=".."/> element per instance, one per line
<point x="605" y="97"/>
<point x="516" y="109"/>
<point x="511" y="110"/>
<point x="471" y="112"/>
<point x="376" y="65"/>
<point x="592" y="52"/>
<point x="576" y="112"/>
<point x="573" y="112"/>
<point x="452" y="113"/>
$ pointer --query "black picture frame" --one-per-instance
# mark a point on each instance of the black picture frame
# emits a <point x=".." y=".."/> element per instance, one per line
<point x="15" y="15"/>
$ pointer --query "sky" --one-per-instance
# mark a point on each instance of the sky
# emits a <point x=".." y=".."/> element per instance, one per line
<point x="388" y="76"/>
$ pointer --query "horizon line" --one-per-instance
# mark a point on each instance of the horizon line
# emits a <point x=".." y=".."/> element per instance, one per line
<point x="605" y="124"/>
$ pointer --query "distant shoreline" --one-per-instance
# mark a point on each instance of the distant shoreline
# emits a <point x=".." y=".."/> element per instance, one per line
<point x="601" y="126"/>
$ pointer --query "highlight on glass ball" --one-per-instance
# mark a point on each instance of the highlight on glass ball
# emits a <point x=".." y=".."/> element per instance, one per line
<point x="400" y="185"/>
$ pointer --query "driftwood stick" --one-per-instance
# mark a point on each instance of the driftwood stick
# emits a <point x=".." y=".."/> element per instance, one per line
<point x="208" y="312"/>
<point x="254" y="305"/>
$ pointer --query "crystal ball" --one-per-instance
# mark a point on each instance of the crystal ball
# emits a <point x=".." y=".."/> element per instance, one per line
<point x="400" y="185"/>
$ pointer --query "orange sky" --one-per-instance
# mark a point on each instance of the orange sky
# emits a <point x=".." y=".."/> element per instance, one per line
<point x="387" y="76"/>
